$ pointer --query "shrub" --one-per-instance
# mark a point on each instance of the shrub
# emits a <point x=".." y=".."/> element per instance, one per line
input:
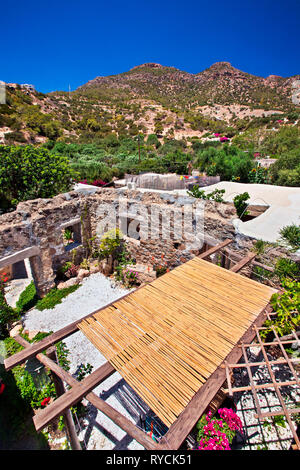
<point x="130" y="277"/>
<point x="27" y="172"/>
<point x="110" y="243"/>
<point x="229" y="162"/>
<point x="287" y="307"/>
<point x="286" y="170"/>
<point x="290" y="234"/>
<point x="24" y="381"/>
<point x="259" y="175"/>
<point x="286" y="268"/>
<point x="215" y="195"/>
<point x="28" y="389"/>
<point x="160" y="270"/>
<point x="260" y="246"/>
<point x="240" y="204"/>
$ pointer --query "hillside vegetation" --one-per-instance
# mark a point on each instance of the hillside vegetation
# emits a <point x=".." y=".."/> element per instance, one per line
<point x="150" y="99"/>
<point x="151" y="118"/>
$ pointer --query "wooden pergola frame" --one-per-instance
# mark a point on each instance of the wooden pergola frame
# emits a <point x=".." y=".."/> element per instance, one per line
<point x="177" y="432"/>
<point x="273" y="384"/>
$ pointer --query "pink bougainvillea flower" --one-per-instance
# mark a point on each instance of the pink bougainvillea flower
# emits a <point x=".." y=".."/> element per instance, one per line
<point x="98" y="183"/>
<point x="231" y="418"/>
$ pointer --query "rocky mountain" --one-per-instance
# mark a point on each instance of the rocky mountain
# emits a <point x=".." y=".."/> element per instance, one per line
<point x="149" y="99"/>
<point x="221" y="83"/>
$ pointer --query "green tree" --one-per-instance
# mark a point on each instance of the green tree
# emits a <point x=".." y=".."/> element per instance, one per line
<point x="27" y="172"/>
<point x="153" y="140"/>
<point x="286" y="170"/>
<point x="228" y="162"/>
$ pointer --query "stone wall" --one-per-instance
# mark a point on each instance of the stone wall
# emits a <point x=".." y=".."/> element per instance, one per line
<point x="171" y="181"/>
<point x="35" y="229"/>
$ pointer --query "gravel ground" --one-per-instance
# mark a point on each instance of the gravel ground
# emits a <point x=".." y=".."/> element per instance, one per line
<point x="99" y="432"/>
<point x="14" y="289"/>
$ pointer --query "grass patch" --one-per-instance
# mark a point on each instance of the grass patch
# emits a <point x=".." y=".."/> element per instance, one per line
<point x="27" y="299"/>
<point x="55" y="297"/>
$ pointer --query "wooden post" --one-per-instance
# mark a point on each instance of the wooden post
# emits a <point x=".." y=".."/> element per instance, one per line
<point x="60" y="390"/>
<point x="67" y="414"/>
<point x="223" y="259"/>
<point x="237" y="267"/>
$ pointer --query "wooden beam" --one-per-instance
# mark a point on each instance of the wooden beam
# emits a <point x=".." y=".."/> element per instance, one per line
<point x="19" y="256"/>
<point x="263" y="266"/>
<point x="197" y="406"/>
<point x="120" y="420"/>
<point x="72" y="396"/>
<point x="67" y="414"/>
<point x="60" y="390"/>
<point x="237" y="267"/>
<point x="238" y="258"/>
<point x="214" y="249"/>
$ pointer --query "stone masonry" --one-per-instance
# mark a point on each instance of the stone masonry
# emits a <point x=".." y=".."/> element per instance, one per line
<point x="35" y="230"/>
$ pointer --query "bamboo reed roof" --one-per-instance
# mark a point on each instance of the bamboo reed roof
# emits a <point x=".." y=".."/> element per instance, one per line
<point x="167" y="338"/>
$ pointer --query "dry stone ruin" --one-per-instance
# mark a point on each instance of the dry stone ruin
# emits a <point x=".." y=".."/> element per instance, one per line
<point x="154" y="225"/>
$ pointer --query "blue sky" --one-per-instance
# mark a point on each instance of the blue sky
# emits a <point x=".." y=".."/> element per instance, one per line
<point x="54" y="44"/>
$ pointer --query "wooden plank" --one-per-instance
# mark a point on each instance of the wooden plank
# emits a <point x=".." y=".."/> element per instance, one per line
<point x="237" y="267"/>
<point x="19" y="256"/>
<point x="214" y="249"/>
<point x="67" y="414"/>
<point x="263" y="266"/>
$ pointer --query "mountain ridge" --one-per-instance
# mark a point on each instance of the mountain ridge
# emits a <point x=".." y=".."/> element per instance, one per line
<point x="221" y="82"/>
<point x="149" y="98"/>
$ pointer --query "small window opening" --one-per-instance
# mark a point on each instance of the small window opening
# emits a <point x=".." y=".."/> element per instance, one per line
<point x="72" y="236"/>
